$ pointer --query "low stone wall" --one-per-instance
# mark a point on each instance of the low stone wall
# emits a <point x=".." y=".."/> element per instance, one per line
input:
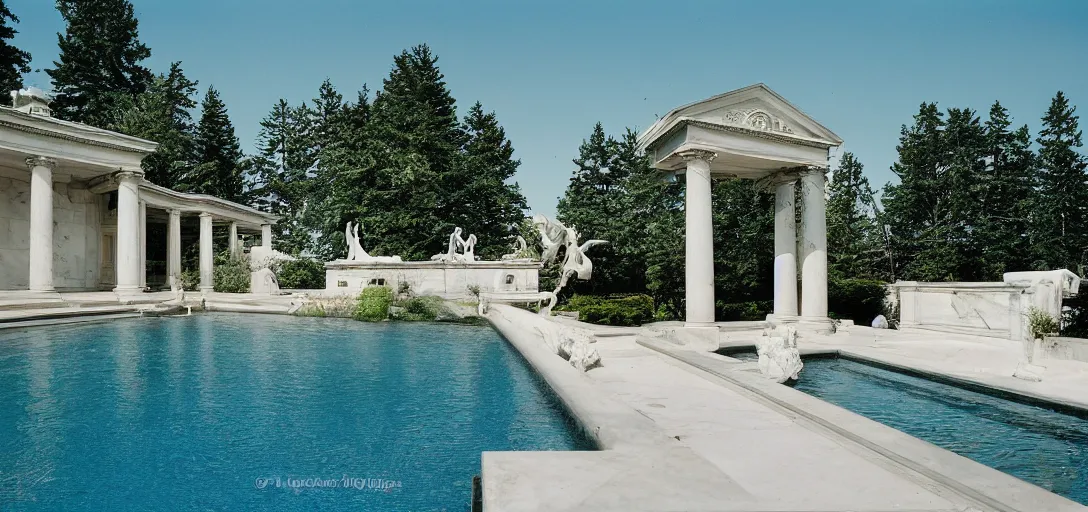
<point x="452" y="281"/>
<point x="1070" y="349"/>
<point x="982" y="309"/>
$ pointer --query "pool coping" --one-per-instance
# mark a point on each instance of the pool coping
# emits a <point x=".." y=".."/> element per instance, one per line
<point x="980" y="483"/>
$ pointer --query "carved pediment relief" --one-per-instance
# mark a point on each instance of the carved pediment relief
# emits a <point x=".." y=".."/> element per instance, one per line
<point x="756" y="119"/>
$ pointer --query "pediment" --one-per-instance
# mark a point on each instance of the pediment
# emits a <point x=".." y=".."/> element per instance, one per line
<point x="755" y="109"/>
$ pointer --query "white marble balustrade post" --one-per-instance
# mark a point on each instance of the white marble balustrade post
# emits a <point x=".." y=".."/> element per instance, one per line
<point x="143" y="244"/>
<point x="785" y="252"/>
<point x="128" y="232"/>
<point x="206" y="254"/>
<point x="41" y="223"/>
<point x="814" y="245"/>
<point x="698" y="240"/>
<point x="173" y="250"/>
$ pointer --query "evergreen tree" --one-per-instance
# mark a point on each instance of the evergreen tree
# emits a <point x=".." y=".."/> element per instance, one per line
<point x="415" y="140"/>
<point x="13" y="61"/>
<point x="161" y="114"/>
<point x="743" y="247"/>
<point x="100" y="55"/>
<point x="490" y="207"/>
<point x="280" y="173"/>
<point x="1001" y="225"/>
<point x="854" y="242"/>
<point x="1061" y="205"/>
<point x="593" y="205"/>
<point x="219" y="167"/>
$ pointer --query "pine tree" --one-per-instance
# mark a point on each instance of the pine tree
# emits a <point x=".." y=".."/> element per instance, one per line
<point x="280" y="172"/>
<point x="13" y="61"/>
<point x="1001" y="225"/>
<point x="490" y="207"/>
<point x="854" y="242"/>
<point x="161" y="114"/>
<point x="100" y="55"/>
<point x="743" y="248"/>
<point x="415" y="141"/>
<point x="1060" y="207"/>
<point x="219" y="167"/>
<point x="593" y="205"/>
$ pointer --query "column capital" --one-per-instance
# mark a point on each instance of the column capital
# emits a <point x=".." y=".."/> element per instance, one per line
<point x="697" y="154"/>
<point x="125" y="174"/>
<point x="205" y="214"/>
<point x="40" y="161"/>
<point x="174" y="212"/>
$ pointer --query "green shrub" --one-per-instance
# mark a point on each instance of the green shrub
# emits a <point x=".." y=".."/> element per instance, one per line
<point x="190" y="280"/>
<point x="419" y="309"/>
<point x="743" y="311"/>
<point x="231" y="275"/>
<point x="301" y="274"/>
<point x="340" y="306"/>
<point x="373" y="304"/>
<point x="612" y="310"/>
<point x="1041" y="324"/>
<point x="860" y="300"/>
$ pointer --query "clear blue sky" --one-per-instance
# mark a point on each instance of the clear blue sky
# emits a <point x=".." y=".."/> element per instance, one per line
<point x="550" y="70"/>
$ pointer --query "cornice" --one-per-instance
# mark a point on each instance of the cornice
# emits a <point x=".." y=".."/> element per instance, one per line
<point x="69" y="137"/>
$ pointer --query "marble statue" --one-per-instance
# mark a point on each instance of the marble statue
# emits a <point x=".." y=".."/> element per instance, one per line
<point x="355" y="249"/>
<point x="572" y="344"/>
<point x="264" y="282"/>
<point x="880" y="322"/>
<point x="554" y="235"/>
<point x="521" y="251"/>
<point x="779" y="358"/>
<point x="467" y="248"/>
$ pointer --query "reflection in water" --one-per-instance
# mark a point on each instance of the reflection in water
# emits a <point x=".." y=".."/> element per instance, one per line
<point x="1040" y="446"/>
<point x="191" y="411"/>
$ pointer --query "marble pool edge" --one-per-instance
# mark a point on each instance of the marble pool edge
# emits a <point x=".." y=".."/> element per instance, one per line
<point x="987" y="486"/>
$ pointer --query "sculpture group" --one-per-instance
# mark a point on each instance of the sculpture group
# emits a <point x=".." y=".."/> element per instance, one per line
<point x="553" y="236"/>
<point x="355" y="249"/>
<point x="466" y="247"/>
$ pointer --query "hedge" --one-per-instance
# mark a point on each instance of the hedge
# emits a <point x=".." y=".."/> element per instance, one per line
<point x="612" y="310"/>
<point x="301" y="274"/>
<point x="373" y="304"/>
<point x="860" y="300"/>
<point x="231" y="275"/>
<point x="743" y="311"/>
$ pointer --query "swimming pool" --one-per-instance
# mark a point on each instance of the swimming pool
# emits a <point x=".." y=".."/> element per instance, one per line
<point x="1037" y="445"/>
<point x="248" y="412"/>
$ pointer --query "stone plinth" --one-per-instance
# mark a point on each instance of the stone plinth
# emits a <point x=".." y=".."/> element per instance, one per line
<point x="449" y="280"/>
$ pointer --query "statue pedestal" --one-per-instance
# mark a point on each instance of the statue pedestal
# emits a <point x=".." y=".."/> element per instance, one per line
<point x="449" y="280"/>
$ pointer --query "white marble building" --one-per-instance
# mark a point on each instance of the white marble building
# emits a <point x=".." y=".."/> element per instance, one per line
<point x="751" y="133"/>
<point x="74" y="207"/>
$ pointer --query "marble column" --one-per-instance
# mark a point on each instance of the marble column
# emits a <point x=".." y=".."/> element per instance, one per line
<point x="814" y="245"/>
<point x="698" y="240"/>
<point x="173" y="250"/>
<point x="206" y="254"/>
<point x="143" y="244"/>
<point x="128" y="232"/>
<point x="785" y="252"/>
<point x="266" y="235"/>
<point x="233" y="237"/>
<point x="41" y="223"/>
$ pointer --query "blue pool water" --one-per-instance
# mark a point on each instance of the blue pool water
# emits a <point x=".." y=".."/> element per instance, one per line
<point x="1037" y="445"/>
<point x="248" y="412"/>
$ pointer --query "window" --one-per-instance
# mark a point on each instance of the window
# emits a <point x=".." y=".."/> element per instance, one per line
<point x="377" y="282"/>
<point x="342" y="284"/>
<point x="509" y="278"/>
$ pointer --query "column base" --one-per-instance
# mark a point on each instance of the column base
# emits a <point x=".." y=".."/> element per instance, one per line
<point x="42" y="289"/>
<point x="205" y="290"/>
<point x="773" y="319"/>
<point x="128" y="289"/>
<point x="815" y="325"/>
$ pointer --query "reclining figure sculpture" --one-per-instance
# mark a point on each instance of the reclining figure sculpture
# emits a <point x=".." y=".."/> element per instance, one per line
<point x="356" y="252"/>
<point x="467" y="248"/>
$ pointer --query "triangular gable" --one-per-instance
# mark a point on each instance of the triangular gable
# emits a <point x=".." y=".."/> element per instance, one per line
<point x="756" y="108"/>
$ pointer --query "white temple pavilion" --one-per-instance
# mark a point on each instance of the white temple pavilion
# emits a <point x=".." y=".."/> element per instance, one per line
<point x="74" y="207"/>
<point x="751" y="133"/>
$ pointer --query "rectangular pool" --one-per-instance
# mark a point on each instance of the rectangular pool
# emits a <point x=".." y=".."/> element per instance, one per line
<point x="1035" y="444"/>
<point x="261" y="412"/>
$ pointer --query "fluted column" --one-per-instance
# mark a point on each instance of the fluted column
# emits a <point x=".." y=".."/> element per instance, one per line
<point x="173" y="250"/>
<point x="128" y="232"/>
<point x="206" y="254"/>
<point x="698" y="240"/>
<point x="143" y="244"/>
<point x="785" y="252"/>
<point x="233" y="239"/>
<point x="41" y="223"/>
<point x="814" y="246"/>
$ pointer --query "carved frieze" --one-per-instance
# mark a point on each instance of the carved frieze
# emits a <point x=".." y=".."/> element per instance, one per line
<point x="756" y="119"/>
